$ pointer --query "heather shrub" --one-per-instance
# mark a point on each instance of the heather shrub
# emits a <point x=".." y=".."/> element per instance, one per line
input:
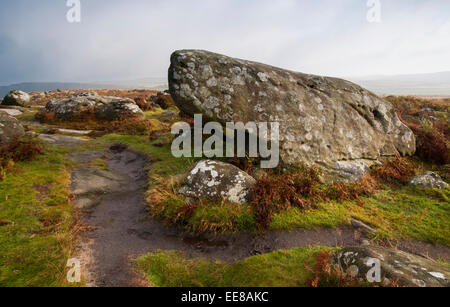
<point x="429" y="120"/>
<point x="143" y="104"/>
<point x="164" y="101"/>
<point x="394" y="171"/>
<point x="18" y="150"/>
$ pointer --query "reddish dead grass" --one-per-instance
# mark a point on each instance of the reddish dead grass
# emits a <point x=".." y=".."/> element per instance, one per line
<point x="302" y="189"/>
<point x="18" y="150"/>
<point x="429" y="119"/>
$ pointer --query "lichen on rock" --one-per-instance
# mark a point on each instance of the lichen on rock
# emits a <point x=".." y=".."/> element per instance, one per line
<point x="102" y="107"/>
<point x="379" y="264"/>
<point x="16" y="98"/>
<point x="323" y="121"/>
<point x="217" y="180"/>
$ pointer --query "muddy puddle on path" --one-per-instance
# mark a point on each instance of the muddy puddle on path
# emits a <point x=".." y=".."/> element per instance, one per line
<point x="121" y="229"/>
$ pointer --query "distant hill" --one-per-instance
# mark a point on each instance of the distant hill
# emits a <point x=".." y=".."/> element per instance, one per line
<point x="433" y="84"/>
<point x="147" y="83"/>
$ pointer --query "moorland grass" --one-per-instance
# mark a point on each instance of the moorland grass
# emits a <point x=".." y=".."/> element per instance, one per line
<point x="37" y="233"/>
<point x="290" y="268"/>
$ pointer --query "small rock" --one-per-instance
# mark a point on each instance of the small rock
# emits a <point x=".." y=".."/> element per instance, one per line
<point x="72" y="131"/>
<point x="62" y="140"/>
<point x="10" y="128"/>
<point x="169" y="113"/>
<point x="16" y="98"/>
<point x="429" y="180"/>
<point x="11" y="112"/>
<point x="360" y="225"/>
<point x="103" y="107"/>
<point x="218" y="180"/>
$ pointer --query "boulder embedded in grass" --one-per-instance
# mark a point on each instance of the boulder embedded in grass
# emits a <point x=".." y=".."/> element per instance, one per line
<point x="217" y="180"/>
<point x="429" y="180"/>
<point x="16" y="98"/>
<point x="10" y="128"/>
<point x="92" y="104"/>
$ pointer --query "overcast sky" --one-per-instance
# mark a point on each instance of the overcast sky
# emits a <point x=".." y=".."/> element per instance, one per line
<point x="130" y="39"/>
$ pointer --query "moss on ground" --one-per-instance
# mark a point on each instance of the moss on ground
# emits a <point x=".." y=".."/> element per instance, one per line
<point x="37" y="235"/>
<point x="402" y="213"/>
<point x="291" y="268"/>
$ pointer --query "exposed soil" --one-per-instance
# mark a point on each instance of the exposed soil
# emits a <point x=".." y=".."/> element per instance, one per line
<point x="121" y="229"/>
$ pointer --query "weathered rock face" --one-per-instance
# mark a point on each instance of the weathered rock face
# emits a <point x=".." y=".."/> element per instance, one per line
<point x="16" y="98"/>
<point x="325" y="121"/>
<point x="10" y="128"/>
<point x="217" y="180"/>
<point x="103" y="107"/>
<point x="396" y="266"/>
<point x="429" y="180"/>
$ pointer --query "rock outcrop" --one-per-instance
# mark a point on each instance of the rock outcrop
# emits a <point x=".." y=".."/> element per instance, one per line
<point x="429" y="180"/>
<point x="16" y="98"/>
<point x="217" y="180"/>
<point x="103" y="107"/>
<point x="393" y="266"/>
<point x="323" y="121"/>
<point x="10" y="128"/>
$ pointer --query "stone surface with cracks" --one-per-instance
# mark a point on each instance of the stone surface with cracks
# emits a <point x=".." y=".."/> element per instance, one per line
<point x="323" y="121"/>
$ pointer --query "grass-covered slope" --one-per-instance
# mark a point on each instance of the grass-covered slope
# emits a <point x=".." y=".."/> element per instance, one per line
<point x="278" y="269"/>
<point x="37" y="222"/>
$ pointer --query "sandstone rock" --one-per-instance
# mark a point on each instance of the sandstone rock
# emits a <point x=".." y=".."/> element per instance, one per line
<point x="10" y="128"/>
<point x="62" y="140"/>
<point x="12" y="112"/>
<point x="323" y="121"/>
<point x="16" y="98"/>
<point x="429" y="180"/>
<point x="395" y="266"/>
<point x="217" y="180"/>
<point x="103" y="107"/>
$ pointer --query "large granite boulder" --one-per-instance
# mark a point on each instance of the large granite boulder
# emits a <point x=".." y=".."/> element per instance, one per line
<point x="429" y="180"/>
<point x="16" y="98"/>
<point x="10" y="128"/>
<point x="323" y="121"/>
<point x="103" y="107"/>
<point x="379" y="264"/>
<point x="217" y="180"/>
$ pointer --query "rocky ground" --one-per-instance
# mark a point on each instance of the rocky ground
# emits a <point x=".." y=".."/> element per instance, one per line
<point x="104" y="188"/>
